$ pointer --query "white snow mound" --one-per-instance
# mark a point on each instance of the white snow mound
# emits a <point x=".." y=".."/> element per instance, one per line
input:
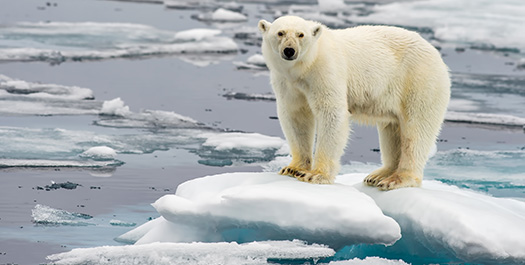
<point x="245" y="207"/>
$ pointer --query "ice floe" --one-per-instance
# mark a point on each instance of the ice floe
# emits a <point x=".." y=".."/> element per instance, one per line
<point x="194" y="253"/>
<point x="222" y="15"/>
<point x="445" y="221"/>
<point x="437" y="221"/>
<point x="100" y="153"/>
<point x="489" y="24"/>
<point x="485" y="118"/>
<point x="46" y="215"/>
<point x="57" y="42"/>
<point x="247" y="207"/>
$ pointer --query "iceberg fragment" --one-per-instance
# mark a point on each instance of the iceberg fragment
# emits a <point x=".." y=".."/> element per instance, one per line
<point x="245" y="207"/>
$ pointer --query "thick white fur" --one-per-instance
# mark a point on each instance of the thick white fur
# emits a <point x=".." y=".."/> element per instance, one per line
<point x="379" y="75"/>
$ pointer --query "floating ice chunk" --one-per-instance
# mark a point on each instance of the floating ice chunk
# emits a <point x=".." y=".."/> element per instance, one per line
<point x="220" y="149"/>
<point x="46" y="215"/>
<point x="449" y="221"/>
<point x="114" y="222"/>
<point x="485" y="118"/>
<point x="249" y="96"/>
<point x="222" y="15"/>
<point x="193" y="253"/>
<point x="369" y="261"/>
<point x="265" y="206"/>
<point x="43" y="163"/>
<point x="196" y="34"/>
<point x="100" y="153"/>
<point x="115" y="107"/>
<point x="254" y="62"/>
<point x="229" y="141"/>
<point x="19" y="88"/>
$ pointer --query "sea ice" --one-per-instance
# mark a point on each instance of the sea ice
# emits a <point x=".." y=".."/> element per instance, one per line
<point x="114" y="107"/>
<point x="448" y="221"/>
<point x="473" y="22"/>
<point x="222" y="15"/>
<point x="100" y="153"/>
<point x="57" y="42"/>
<point x="245" y="207"/>
<point x="10" y="87"/>
<point x="194" y="253"/>
<point x="46" y="215"/>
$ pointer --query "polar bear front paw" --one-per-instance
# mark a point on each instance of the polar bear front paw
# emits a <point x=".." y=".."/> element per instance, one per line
<point x="399" y="180"/>
<point x="377" y="176"/>
<point x="306" y="176"/>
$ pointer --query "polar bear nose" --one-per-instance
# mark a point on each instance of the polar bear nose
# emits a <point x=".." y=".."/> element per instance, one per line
<point x="289" y="53"/>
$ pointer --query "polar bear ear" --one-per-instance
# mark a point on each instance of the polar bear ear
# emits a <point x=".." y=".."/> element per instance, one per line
<point x="317" y="30"/>
<point x="264" y="25"/>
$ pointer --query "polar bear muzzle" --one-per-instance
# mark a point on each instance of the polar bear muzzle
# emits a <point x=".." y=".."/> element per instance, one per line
<point x="289" y="54"/>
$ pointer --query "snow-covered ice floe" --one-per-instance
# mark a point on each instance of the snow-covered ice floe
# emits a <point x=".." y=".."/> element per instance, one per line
<point x="245" y="207"/>
<point x="193" y="253"/>
<point x="481" y="24"/>
<point x="438" y="222"/>
<point x="57" y="42"/>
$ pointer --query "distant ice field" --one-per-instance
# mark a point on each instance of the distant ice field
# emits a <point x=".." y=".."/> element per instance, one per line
<point x="107" y="106"/>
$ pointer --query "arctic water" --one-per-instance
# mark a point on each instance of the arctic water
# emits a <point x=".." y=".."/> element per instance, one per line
<point x="107" y="106"/>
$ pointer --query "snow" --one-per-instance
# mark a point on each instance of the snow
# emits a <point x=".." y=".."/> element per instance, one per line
<point x="115" y="107"/>
<point x="266" y="206"/>
<point x="100" y="153"/>
<point x="193" y="253"/>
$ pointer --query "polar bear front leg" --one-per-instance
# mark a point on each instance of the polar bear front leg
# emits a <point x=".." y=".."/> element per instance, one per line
<point x="297" y="122"/>
<point x="333" y="129"/>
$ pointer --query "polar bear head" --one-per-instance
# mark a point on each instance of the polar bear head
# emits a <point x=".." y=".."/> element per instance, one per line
<point x="290" y="37"/>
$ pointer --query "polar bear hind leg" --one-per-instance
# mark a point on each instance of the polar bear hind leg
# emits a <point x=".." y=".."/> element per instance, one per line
<point x="390" y="146"/>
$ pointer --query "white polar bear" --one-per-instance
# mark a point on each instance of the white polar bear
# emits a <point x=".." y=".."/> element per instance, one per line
<point x="379" y="75"/>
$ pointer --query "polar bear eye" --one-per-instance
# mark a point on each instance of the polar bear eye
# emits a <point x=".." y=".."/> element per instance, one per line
<point x="301" y="35"/>
<point x="280" y="33"/>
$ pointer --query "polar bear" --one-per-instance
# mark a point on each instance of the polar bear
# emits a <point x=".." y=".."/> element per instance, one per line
<point x="381" y="75"/>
